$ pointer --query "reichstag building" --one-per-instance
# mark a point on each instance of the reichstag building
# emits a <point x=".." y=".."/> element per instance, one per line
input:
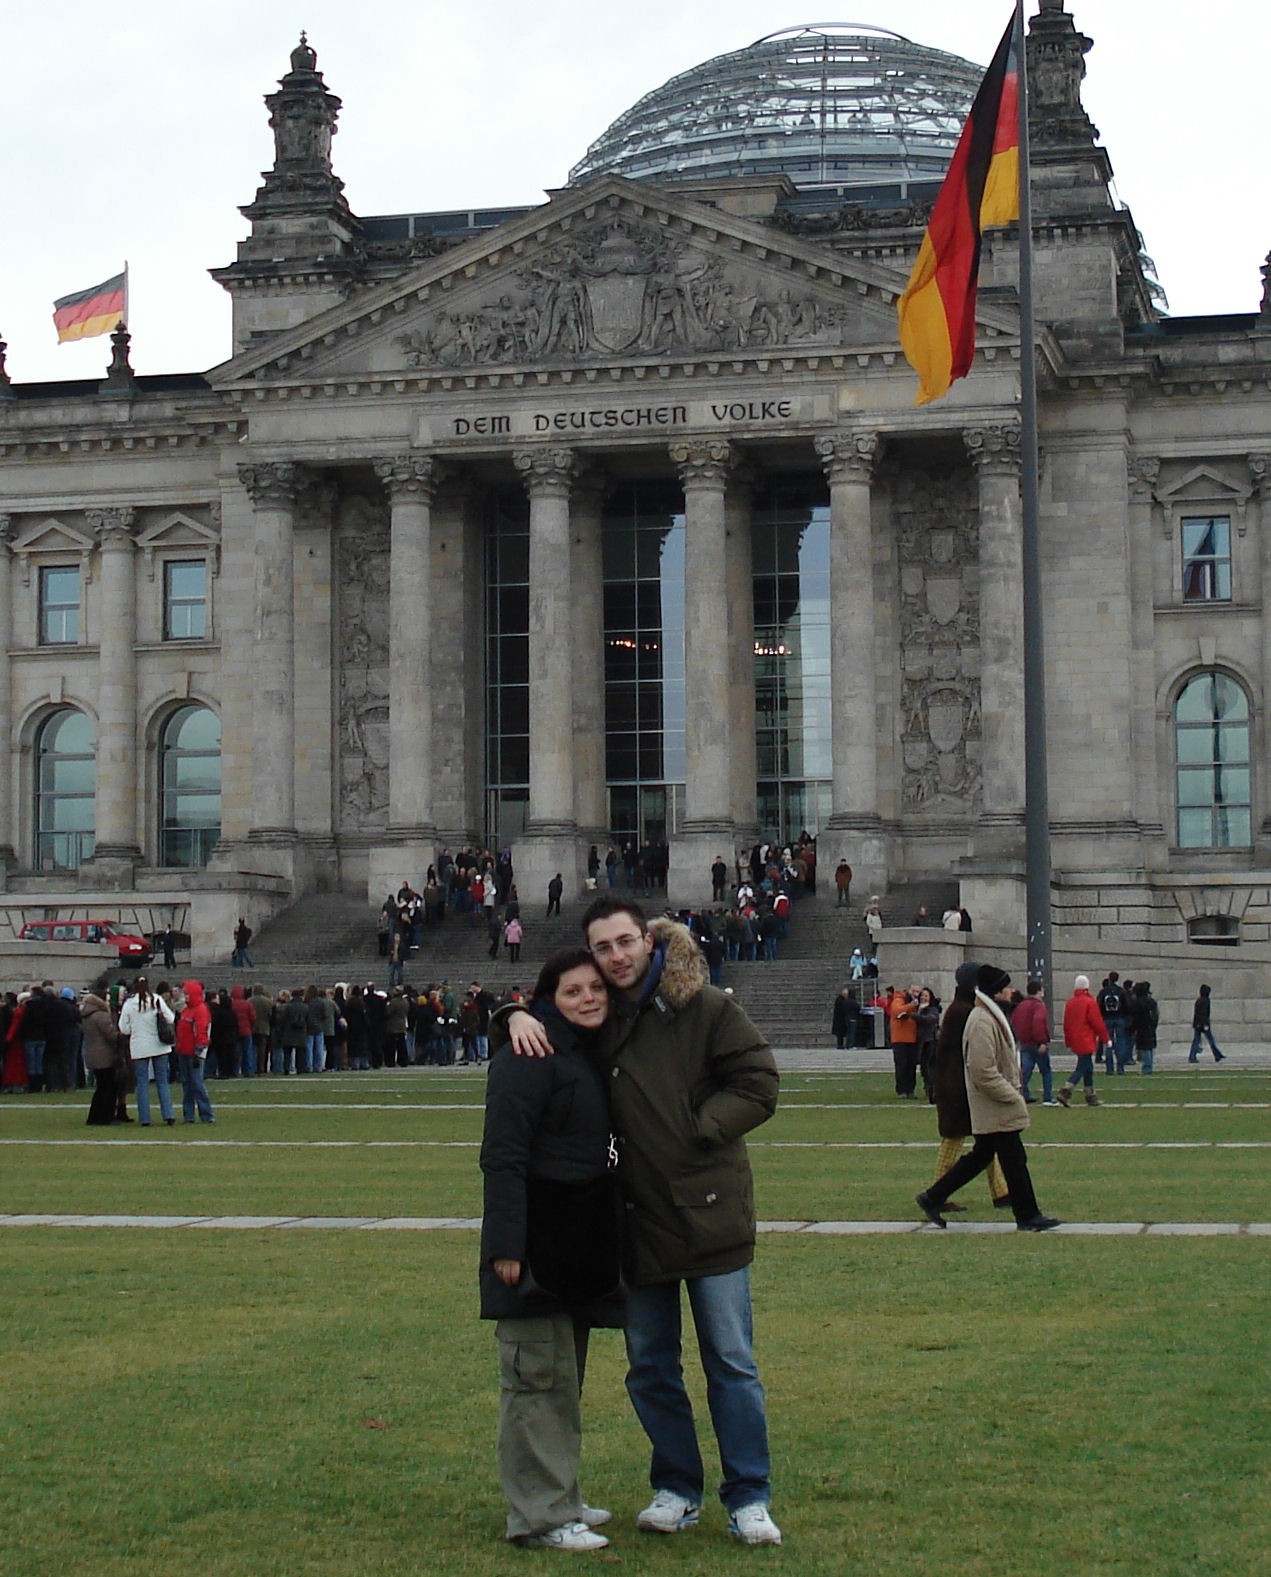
<point x="615" y="518"/>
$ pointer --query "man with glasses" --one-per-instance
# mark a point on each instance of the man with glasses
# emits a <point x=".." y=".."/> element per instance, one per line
<point x="689" y="1076"/>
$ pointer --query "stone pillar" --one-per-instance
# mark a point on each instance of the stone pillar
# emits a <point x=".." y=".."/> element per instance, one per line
<point x="411" y="481"/>
<point x="272" y="489"/>
<point x="456" y="664"/>
<point x="1142" y="474"/>
<point x="994" y="452"/>
<point x="591" y="799"/>
<point x="116" y="852"/>
<point x="855" y="828"/>
<point x="1260" y="476"/>
<point x="550" y="843"/>
<point x="740" y="598"/>
<point x="8" y="832"/>
<point x="708" y="830"/>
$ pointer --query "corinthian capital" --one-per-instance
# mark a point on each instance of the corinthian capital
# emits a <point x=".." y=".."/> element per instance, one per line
<point x="705" y="462"/>
<point x="994" y="450"/>
<point x="546" y="473"/>
<point x="273" y="483"/>
<point x="411" y="478"/>
<point x="1258" y="473"/>
<point x="112" y="527"/>
<point x="848" y="457"/>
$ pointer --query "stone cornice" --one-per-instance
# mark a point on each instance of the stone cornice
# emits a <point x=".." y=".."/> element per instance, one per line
<point x="17" y="443"/>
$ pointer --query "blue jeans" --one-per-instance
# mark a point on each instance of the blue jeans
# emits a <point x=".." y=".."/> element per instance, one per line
<point x="655" y="1383"/>
<point x="1031" y="1057"/>
<point x="246" y="1056"/>
<point x="315" y="1053"/>
<point x="193" y="1090"/>
<point x="33" y="1051"/>
<point x="1083" y="1073"/>
<point x="1213" y="1045"/>
<point x="141" y="1067"/>
<point x="770" y="949"/>
<point x="1122" y="1045"/>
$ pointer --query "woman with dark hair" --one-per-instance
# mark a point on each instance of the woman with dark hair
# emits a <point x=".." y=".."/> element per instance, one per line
<point x="550" y="1252"/>
<point x="223" y="1056"/>
<point x="139" y="1022"/>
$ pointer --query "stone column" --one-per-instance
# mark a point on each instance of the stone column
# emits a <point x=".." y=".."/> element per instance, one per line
<point x="994" y="452"/>
<point x="740" y="598"/>
<point x="855" y="829"/>
<point x="8" y="832"/>
<point x="1260" y="476"/>
<point x="591" y="799"/>
<point x="116" y="851"/>
<point x="551" y="834"/>
<point x="411" y="481"/>
<point x="272" y="489"/>
<point x="703" y="466"/>
<point x="1142" y="474"/>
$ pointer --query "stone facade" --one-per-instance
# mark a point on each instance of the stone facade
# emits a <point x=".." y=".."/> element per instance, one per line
<point x="336" y="478"/>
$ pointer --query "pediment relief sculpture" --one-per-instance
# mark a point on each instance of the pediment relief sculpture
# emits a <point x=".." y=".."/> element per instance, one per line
<point x="624" y="287"/>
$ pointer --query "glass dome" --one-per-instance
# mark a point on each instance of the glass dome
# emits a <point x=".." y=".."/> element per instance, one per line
<point x="830" y="105"/>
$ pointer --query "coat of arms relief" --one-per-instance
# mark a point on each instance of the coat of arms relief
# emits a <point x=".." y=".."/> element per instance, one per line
<point x="363" y="658"/>
<point x="938" y="549"/>
<point x="622" y="287"/>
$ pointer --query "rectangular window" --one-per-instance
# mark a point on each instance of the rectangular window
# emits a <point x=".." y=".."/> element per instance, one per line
<point x="185" y="600"/>
<point x="59" y="606"/>
<point x="1207" y="558"/>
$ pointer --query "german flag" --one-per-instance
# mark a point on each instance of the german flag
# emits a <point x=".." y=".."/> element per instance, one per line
<point x="90" y="312"/>
<point x="937" y="310"/>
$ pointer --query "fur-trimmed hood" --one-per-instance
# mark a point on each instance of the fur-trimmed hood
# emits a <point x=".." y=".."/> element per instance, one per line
<point x="684" y="971"/>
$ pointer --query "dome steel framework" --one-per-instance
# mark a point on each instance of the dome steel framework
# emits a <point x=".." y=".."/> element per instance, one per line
<point x="830" y="105"/>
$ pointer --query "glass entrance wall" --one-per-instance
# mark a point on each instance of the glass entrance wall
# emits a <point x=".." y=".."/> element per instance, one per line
<point x="791" y="544"/>
<point x="643" y="553"/>
<point x="507" y="664"/>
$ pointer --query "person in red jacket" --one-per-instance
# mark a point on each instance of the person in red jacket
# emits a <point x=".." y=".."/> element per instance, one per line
<point x="1030" y="1024"/>
<point x="1084" y="1034"/>
<point x="194" y="1032"/>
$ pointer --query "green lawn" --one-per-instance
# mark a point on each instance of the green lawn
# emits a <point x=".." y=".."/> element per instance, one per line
<point x="295" y="1402"/>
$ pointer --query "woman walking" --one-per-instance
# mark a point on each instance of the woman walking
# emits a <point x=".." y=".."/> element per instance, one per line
<point x="513" y="935"/>
<point x="142" y="1014"/>
<point x="550" y="1255"/>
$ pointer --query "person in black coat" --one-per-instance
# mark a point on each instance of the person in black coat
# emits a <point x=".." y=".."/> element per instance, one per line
<point x="846" y="1018"/>
<point x="550" y="1250"/>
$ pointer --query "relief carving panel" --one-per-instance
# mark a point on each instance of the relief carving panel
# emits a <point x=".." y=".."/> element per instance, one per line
<point x="624" y="287"/>
<point x="938" y="555"/>
<point x="362" y="559"/>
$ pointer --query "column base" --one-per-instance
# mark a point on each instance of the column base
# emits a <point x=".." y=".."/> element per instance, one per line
<point x="405" y="857"/>
<point x="862" y="842"/>
<point x="537" y="855"/>
<point x="692" y="855"/>
<point x="112" y="868"/>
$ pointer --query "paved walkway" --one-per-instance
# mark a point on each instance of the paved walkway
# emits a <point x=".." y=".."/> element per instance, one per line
<point x="806" y="1228"/>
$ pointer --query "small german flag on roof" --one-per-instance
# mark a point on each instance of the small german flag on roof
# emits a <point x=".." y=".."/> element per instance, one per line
<point x="90" y="312"/>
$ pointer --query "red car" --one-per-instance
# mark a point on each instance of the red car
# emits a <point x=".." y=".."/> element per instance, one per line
<point x="132" y="950"/>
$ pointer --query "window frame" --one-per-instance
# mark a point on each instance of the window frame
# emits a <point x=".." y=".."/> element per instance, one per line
<point x="44" y="607"/>
<point x="1209" y="566"/>
<point x="1216" y="762"/>
<point x="175" y="562"/>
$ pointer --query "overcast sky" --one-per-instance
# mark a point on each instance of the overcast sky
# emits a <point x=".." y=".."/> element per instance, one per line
<point x="136" y="130"/>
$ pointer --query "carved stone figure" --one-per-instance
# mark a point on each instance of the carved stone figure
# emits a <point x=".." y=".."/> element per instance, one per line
<point x="620" y="286"/>
<point x="362" y="543"/>
<point x="938" y="550"/>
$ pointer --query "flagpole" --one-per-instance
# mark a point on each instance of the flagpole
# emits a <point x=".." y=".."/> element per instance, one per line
<point x="127" y="319"/>
<point x="1036" y="792"/>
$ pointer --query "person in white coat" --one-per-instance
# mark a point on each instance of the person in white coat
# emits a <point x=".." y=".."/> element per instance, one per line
<point x="139" y="1020"/>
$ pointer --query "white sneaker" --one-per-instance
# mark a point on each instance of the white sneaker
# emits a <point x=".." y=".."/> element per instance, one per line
<point x="569" y="1536"/>
<point x="753" y="1525"/>
<point x="595" y="1516"/>
<point x="667" y="1512"/>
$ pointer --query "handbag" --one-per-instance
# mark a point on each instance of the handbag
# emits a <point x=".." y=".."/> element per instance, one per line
<point x="165" y="1029"/>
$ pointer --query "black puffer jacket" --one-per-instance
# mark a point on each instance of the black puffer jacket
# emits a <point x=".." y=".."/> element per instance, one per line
<point x="551" y="1195"/>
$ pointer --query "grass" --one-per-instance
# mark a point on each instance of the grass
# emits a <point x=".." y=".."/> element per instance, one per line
<point x="308" y="1402"/>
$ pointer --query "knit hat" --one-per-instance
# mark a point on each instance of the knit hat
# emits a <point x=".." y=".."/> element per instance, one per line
<point x="991" y="980"/>
<point x="68" y="993"/>
<point x="966" y="976"/>
<point x="1081" y="983"/>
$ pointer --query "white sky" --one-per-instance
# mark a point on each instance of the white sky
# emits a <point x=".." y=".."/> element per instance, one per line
<point x="136" y="130"/>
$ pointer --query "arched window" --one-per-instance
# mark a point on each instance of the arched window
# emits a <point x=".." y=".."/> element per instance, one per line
<point x="1211" y="730"/>
<point x="65" y="799"/>
<point x="189" y="787"/>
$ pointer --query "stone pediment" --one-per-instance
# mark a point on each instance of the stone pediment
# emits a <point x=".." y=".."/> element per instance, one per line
<point x="51" y="535"/>
<point x="616" y="271"/>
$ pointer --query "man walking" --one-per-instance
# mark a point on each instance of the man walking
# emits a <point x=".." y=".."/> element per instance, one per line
<point x="555" y="891"/>
<point x="1201" y="1027"/>
<point x="1032" y="1029"/>
<point x="689" y="1077"/>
